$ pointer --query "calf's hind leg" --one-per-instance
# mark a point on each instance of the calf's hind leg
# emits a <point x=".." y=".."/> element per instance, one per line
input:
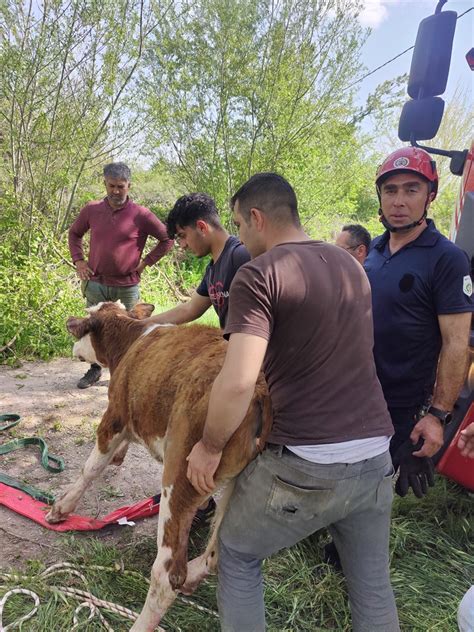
<point x="101" y="455"/>
<point x="200" y="567"/>
<point x="120" y="452"/>
<point x="178" y="505"/>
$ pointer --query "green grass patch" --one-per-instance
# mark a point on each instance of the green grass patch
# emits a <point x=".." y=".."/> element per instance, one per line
<point x="432" y="567"/>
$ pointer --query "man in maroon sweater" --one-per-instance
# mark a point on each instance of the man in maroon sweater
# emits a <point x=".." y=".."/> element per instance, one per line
<point x="118" y="232"/>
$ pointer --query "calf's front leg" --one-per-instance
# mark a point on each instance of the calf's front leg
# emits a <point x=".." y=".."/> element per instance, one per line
<point x="95" y="465"/>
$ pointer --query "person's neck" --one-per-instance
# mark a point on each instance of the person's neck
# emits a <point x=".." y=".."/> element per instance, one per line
<point x="400" y="239"/>
<point x="218" y="242"/>
<point x="286" y="234"/>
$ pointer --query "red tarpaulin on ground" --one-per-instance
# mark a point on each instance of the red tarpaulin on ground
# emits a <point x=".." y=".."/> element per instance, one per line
<point x="27" y="506"/>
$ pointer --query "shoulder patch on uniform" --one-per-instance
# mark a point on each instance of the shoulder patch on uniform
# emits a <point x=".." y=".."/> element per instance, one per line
<point x="467" y="285"/>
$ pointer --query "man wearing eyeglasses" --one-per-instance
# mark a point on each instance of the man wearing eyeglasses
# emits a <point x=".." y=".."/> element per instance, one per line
<point x="356" y="240"/>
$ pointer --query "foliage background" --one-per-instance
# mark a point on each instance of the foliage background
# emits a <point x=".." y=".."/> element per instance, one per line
<point x="195" y="96"/>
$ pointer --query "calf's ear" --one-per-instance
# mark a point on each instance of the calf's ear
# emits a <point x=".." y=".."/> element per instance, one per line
<point x="78" y="327"/>
<point x="141" y="310"/>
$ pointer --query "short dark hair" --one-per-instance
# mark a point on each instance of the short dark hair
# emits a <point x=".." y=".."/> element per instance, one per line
<point x="188" y="209"/>
<point x="118" y="170"/>
<point x="358" y="235"/>
<point x="270" y="193"/>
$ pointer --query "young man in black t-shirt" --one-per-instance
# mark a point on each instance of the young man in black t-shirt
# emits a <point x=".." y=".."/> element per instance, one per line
<point x="194" y="222"/>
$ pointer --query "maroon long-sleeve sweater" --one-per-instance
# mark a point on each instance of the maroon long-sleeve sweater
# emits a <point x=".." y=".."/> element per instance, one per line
<point x="117" y="240"/>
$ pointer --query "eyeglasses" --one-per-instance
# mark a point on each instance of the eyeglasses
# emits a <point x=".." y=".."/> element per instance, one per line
<point x="350" y="247"/>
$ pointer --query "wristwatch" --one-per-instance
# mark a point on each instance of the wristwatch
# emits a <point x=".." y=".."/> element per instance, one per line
<point x="443" y="415"/>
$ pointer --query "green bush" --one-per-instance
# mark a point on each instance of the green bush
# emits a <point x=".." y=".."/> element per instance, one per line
<point x="35" y="300"/>
<point x="39" y="290"/>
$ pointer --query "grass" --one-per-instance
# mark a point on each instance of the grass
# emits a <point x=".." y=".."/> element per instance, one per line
<point x="432" y="567"/>
<point x="208" y="318"/>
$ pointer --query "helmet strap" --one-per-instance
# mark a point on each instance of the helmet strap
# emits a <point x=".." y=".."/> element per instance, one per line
<point x="399" y="229"/>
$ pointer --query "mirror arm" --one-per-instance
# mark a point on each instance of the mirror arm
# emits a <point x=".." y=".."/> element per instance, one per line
<point x="458" y="158"/>
<point x="433" y="150"/>
<point x="440" y="5"/>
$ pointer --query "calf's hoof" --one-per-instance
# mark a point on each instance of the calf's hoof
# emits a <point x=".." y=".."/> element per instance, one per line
<point x="177" y="574"/>
<point x="197" y="571"/>
<point x="55" y="515"/>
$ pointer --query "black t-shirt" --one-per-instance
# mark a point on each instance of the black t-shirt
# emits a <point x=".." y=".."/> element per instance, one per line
<point x="220" y="274"/>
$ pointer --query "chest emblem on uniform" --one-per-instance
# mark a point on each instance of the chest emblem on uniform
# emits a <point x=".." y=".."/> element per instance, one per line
<point x="401" y="162"/>
<point x="467" y="285"/>
<point x="406" y="282"/>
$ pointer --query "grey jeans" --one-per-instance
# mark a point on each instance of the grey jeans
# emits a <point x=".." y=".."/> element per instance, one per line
<point x="279" y="499"/>
<point x="96" y="293"/>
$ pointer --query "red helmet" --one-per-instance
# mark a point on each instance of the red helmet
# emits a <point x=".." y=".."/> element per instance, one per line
<point x="409" y="159"/>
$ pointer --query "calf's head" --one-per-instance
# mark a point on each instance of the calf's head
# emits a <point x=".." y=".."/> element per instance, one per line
<point x="101" y="323"/>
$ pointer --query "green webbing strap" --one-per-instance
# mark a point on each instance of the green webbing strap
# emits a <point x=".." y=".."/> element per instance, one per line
<point x="34" y="492"/>
<point x="54" y="464"/>
<point x="12" y="420"/>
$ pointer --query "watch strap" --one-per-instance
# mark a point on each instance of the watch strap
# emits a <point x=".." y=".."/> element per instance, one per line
<point x="444" y="416"/>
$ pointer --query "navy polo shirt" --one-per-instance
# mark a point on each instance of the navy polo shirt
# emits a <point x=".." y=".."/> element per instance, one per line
<point x="426" y="278"/>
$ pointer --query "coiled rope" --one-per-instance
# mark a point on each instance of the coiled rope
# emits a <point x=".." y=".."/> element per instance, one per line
<point x="88" y="600"/>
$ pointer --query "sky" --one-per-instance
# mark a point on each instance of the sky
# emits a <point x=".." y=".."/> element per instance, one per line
<point x="394" y="25"/>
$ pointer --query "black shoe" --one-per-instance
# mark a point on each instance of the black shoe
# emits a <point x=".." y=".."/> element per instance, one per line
<point x="91" y="377"/>
<point x="331" y="556"/>
<point x="203" y="516"/>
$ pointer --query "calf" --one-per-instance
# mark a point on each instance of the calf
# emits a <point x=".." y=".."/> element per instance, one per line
<point x="161" y="377"/>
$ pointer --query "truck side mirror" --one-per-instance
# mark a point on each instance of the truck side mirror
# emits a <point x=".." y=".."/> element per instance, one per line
<point x="420" y="119"/>
<point x="432" y="55"/>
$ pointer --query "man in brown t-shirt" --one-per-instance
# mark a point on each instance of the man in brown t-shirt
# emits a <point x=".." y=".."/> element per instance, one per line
<point x="302" y="309"/>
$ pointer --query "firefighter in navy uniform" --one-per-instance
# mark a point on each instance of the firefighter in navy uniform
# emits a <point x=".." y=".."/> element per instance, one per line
<point x="422" y="306"/>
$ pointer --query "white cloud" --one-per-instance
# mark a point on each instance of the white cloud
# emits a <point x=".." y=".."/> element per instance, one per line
<point x="373" y="13"/>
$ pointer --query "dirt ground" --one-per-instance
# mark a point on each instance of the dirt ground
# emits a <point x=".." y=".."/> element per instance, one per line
<point x="44" y="394"/>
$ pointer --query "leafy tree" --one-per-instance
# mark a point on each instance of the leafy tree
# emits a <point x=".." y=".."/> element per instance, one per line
<point x="208" y="92"/>
<point x="65" y="68"/>
<point x="235" y="88"/>
<point x="456" y="132"/>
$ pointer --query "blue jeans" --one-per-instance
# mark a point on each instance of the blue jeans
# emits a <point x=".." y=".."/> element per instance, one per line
<point x="96" y="293"/>
<point x="279" y="499"/>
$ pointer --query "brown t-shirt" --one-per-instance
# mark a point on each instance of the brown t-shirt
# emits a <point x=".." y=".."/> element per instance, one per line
<point x="312" y="302"/>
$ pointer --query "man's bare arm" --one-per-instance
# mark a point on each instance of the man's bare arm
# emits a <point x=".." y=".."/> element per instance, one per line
<point x="184" y="312"/>
<point x="228" y="404"/>
<point x="450" y="378"/>
<point x="233" y="389"/>
<point x="453" y="359"/>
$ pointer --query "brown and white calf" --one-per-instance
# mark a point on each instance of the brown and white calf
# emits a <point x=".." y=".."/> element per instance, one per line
<point x="161" y="377"/>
